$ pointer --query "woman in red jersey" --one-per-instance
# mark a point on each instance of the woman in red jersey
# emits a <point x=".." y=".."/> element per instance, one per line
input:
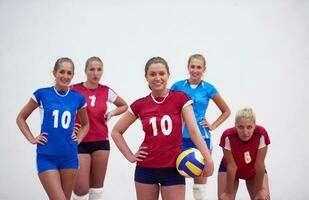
<point x="93" y="151"/>
<point x="161" y="113"/>
<point x="244" y="147"/>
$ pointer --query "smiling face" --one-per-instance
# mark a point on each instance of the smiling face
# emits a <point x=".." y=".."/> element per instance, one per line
<point x="63" y="74"/>
<point x="157" y="76"/>
<point x="245" y="128"/>
<point x="196" y="68"/>
<point x="94" y="71"/>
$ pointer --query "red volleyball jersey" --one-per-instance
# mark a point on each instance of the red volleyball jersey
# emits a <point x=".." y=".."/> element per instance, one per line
<point x="161" y="119"/>
<point x="97" y="106"/>
<point x="244" y="153"/>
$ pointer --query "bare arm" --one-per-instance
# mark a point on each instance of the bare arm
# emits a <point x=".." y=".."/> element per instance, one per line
<point x="260" y="171"/>
<point x="197" y="139"/>
<point x="121" y="105"/>
<point x="23" y="126"/>
<point x="117" y="134"/>
<point x="225" y="113"/>
<point x="84" y="123"/>
<point x="231" y="172"/>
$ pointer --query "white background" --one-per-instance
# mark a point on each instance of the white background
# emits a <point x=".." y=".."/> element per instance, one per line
<point x="257" y="55"/>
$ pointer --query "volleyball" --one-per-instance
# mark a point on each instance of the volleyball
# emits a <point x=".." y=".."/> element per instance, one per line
<point x="190" y="163"/>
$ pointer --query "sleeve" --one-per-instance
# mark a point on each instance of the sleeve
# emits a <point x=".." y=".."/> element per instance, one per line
<point x="82" y="102"/>
<point x="211" y="90"/>
<point x="36" y="96"/>
<point x="112" y="96"/>
<point x="227" y="145"/>
<point x="134" y="108"/>
<point x="262" y="143"/>
<point x="224" y="140"/>
<point x="264" y="135"/>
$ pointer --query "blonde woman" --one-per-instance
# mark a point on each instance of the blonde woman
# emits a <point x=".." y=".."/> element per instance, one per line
<point x="244" y="147"/>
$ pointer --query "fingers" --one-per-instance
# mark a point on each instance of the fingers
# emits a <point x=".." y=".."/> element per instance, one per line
<point x="41" y="139"/>
<point x="204" y="123"/>
<point x="141" y="154"/>
<point x="74" y="137"/>
<point x="108" y="116"/>
<point x="77" y="126"/>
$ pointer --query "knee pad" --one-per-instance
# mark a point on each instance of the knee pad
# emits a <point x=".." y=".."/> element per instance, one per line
<point x="96" y="194"/>
<point x="76" y="197"/>
<point x="199" y="191"/>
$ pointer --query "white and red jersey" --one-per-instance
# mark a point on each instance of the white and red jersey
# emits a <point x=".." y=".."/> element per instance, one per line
<point x="97" y="106"/>
<point x="162" y="123"/>
<point x="244" y="153"/>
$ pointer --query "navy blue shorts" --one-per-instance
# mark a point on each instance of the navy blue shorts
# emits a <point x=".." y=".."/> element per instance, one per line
<point x="160" y="176"/>
<point x="90" y="147"/>
<point x="187" y="143"/>
<point x="222" y="168"/>
<point x="51" y="162"/>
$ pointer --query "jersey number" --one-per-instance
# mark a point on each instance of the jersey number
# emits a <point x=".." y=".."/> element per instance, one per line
<point x="166" y="125"/>
<point x="92" y="98"/>
<point x="247" y="157"/>
<point x="65" y="119"/>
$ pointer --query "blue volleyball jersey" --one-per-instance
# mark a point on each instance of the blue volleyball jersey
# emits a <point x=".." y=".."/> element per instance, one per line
<point x="58" y="111"/>
<point x="200" y="97"/>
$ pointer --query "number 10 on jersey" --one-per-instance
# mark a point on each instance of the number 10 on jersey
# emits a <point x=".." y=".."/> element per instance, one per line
<point x="165" y="125"/>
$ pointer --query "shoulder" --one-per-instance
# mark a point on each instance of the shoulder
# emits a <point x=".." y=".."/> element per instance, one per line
<point x="43" y="90"/>
<point x="177" y="93"/>
<point x="76" y="94"/>
<point x="77" y="87"/>
<point x="101" y="86"/>
<point x="260" y="130"/>
<point x="229" y="132"/>
<point x="179" y="96"/>
<point x="207" y="85"/>
<point x="179" y="84"/>
<point x="140" y="100"/>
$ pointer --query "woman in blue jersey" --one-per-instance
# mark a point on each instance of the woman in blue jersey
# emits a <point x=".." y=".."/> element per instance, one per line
<point x="57" y="159"/>
<point x="201" y="92"/>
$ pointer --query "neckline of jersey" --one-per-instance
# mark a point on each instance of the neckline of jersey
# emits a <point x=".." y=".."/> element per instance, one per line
<point x="196" y="85"/>
<point x="159" y="102"/>
<point x="61" y="95"/>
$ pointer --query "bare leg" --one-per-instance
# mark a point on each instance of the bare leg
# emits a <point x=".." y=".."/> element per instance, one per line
<point x="173" y="192"/>
<point x="51" y="182"/>
<point x="99" y="161"/>
<point x="147" y="191"/>
<point x="82" y="181"/>
<point x="251" y="186"/>
<point x="222" y="176"/>
<point x="68" y="177"/>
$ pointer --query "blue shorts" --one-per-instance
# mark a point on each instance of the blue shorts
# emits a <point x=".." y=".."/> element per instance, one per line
<point x="222" y="168"/>
<point x="51" y="162"/>
<point x="187" y="143"/>
<point x="160" y="176"/>
<point x="90" y="147"/>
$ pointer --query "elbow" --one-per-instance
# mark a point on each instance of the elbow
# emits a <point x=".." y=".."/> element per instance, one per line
<point x="125" y="107"/>
<point x="114" y="134"/>
<point x="19" y="119"/>
<point x="227" y="112"/>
